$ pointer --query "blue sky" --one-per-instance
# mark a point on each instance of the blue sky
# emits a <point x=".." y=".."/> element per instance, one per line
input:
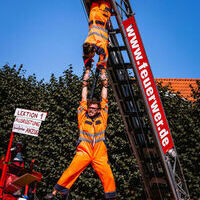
<point x="46" y="36"/>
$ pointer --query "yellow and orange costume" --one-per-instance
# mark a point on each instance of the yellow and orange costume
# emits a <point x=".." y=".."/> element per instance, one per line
<point x="99" y="24"/>
<point x="92" y="150"/>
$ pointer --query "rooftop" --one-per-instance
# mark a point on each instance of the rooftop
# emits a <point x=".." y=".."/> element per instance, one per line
<point x="181" y="85"/>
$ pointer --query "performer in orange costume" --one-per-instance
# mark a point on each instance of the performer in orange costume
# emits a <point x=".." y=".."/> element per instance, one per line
<point x="91" y="149"/>
<point x="97" y="40"/>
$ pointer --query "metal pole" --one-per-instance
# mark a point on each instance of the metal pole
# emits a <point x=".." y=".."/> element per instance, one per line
<point x="4" y="171"/>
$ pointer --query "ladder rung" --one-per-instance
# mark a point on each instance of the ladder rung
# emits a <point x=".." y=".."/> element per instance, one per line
<point x="139" y="131"/>
<point x="114" y="31"/>
<point x="119" y="48"/>
<point x="161" y="191"/>
<point x="157" y="174"/>
<point x="123" y="82"/>
<point x="122" y="66"/>
<point x="153" y="160"/>
<point x="130" y="98"/>
<point x="147" y="145"/>
<point x="127" y="99"/>
<point x="134" y="114"/>
<point x="158" y="180"/>
<point x="149" y="150"/>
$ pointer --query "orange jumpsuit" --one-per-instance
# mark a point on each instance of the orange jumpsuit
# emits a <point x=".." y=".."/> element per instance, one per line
<point x="99" y="23"/>
<point x="92" y="150"/>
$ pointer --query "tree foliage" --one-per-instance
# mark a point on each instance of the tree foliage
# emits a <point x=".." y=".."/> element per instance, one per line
<point x="184" y="121"/>
<point x="55" y="147"/>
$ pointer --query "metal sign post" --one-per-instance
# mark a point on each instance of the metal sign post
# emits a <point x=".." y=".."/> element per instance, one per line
<point x="26" y="122"/>
<point x="7" y="159"/>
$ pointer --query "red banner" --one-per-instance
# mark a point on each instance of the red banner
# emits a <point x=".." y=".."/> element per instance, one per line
<point x="146" y="77"/>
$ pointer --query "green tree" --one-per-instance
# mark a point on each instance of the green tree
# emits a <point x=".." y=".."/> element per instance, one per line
<point x="184" y="121"/>
<point x="55" y="147"/>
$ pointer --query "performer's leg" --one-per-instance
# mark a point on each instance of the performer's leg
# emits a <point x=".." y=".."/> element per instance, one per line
<point x="102" y="168"/>
<point x="106" y="7"/>
<point x="78" y="164"/>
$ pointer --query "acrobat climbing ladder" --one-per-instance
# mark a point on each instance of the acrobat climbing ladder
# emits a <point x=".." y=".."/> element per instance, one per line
<point x="143" y="114"/>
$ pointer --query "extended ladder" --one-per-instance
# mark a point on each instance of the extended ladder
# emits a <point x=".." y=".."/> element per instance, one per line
<point x="143" y="115"/>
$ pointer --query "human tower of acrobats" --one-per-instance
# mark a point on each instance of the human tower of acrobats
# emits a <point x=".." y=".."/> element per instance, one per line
<point x="92" y="114"/>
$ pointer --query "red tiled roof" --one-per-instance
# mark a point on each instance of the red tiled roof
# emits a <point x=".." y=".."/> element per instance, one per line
<point x="181" y="85"/>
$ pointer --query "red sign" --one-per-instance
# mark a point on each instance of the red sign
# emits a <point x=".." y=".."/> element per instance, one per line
<point x="149" y="87"/>
<point x="28" y="121"/>
<point x="30" y="114"/>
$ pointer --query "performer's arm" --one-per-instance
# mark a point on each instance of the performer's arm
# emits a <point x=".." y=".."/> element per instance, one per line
<point x="104" y="80"/>
<point x="83" y="104"/>
<point x="85" y="84"/>
<point x="104" y="94"/>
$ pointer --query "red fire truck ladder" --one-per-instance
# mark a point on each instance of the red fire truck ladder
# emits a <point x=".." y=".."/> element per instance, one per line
<point x="143" y="114"/>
